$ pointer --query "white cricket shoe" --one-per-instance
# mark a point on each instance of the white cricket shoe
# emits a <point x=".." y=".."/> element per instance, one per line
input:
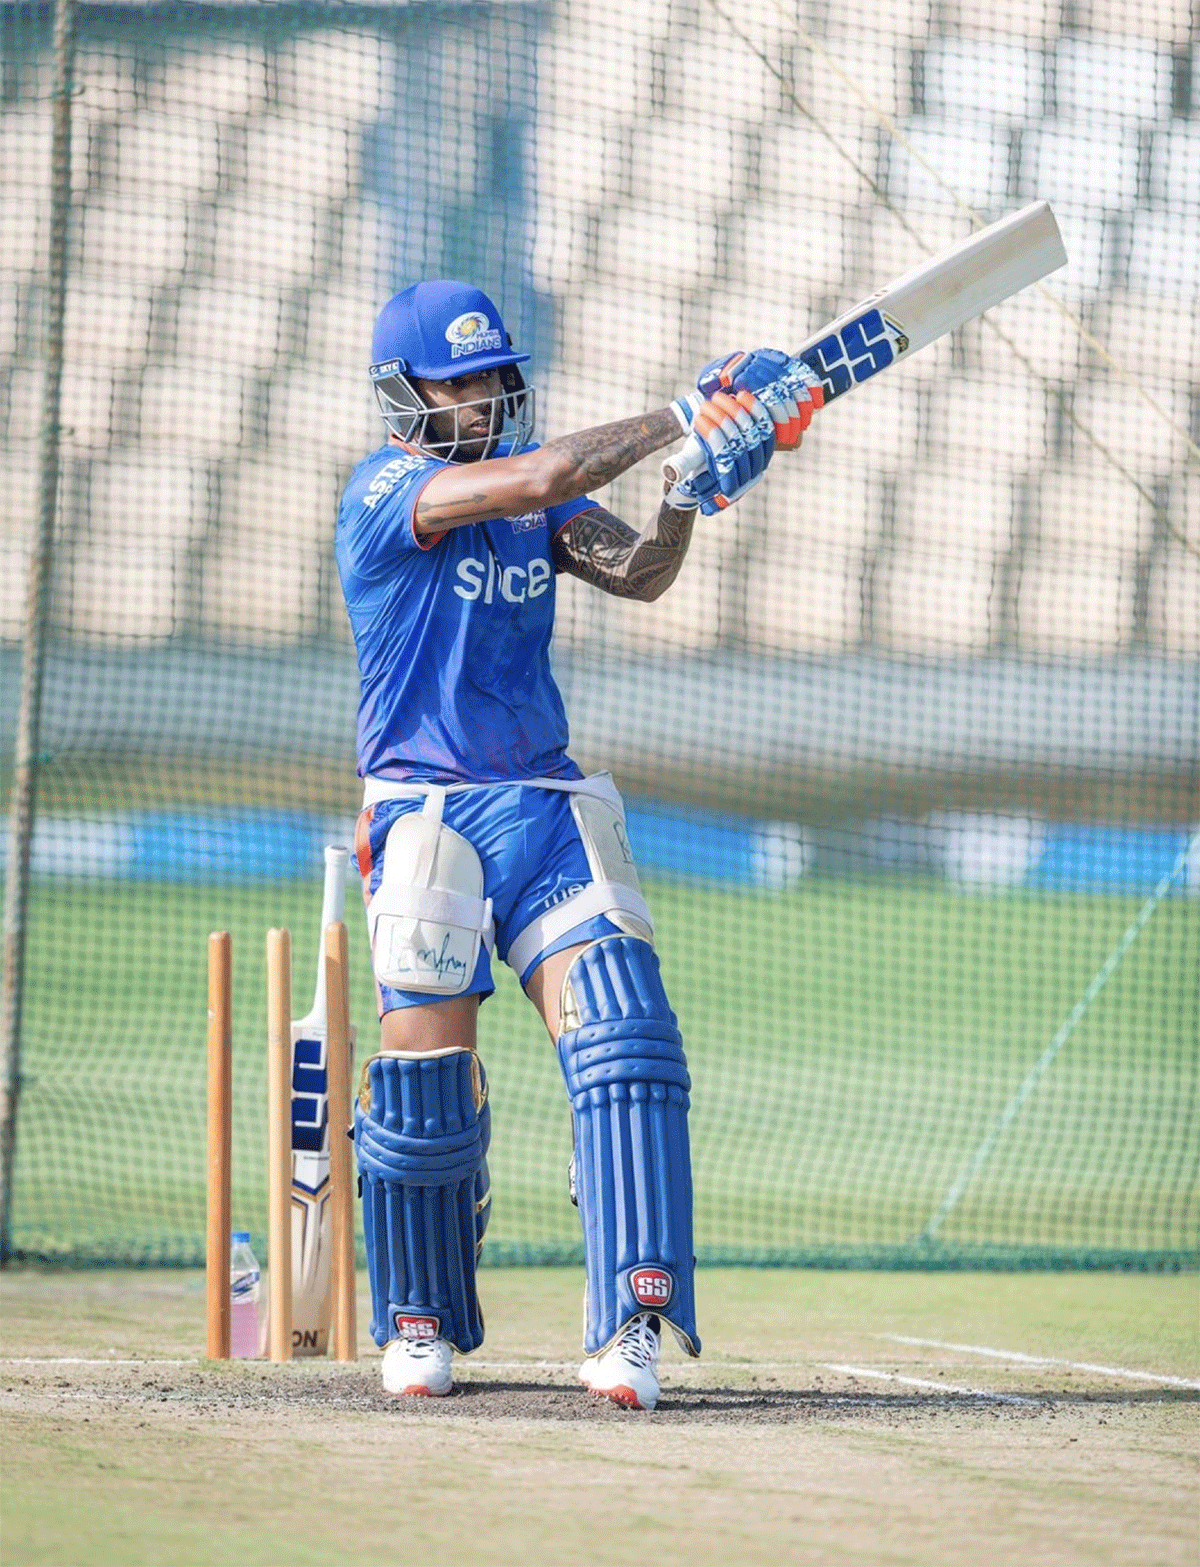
<point x="627" y="1371"/>
<point x="418" y="1368"/>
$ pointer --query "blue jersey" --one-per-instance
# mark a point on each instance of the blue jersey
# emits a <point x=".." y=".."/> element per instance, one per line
<point x="453" y="632"/>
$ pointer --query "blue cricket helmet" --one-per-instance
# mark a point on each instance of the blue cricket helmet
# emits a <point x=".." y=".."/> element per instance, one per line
<point x="441" y="329"/>
<point x="434" y="331"/>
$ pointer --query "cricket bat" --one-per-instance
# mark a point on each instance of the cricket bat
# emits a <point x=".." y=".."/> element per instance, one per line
<point x="311" y="1214"/>
<point x="934" y="298"/>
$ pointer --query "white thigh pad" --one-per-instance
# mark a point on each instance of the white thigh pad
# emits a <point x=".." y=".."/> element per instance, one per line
<point x="614" y="890"/>
<point x="428" y="915"/>
<point x="600" y="818"/>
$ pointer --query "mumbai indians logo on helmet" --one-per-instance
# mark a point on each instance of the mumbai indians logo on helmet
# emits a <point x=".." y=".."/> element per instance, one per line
<point x="472" y="333"/>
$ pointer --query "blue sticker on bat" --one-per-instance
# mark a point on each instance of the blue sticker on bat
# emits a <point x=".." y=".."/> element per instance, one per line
<point x="861" y="349"/>
<point x="310" y="1097"/>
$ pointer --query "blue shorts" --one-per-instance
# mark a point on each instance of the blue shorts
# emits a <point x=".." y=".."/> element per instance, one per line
<point x="532" y="857"/>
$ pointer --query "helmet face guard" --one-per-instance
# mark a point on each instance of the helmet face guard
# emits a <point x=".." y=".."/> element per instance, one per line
<point x="438" y="331"/>
<point x="410" y="419"/>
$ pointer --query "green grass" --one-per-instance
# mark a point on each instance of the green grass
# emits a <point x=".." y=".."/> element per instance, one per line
<point x="851" y="1045"/>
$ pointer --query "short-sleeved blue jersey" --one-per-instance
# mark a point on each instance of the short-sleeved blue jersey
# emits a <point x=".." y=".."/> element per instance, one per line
<point x="452" y="631"/>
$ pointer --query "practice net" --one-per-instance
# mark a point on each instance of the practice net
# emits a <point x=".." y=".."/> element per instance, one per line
<point x="910" y="748"/>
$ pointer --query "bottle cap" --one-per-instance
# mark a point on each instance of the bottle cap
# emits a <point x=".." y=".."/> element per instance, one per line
<point x="241" y="1237"/>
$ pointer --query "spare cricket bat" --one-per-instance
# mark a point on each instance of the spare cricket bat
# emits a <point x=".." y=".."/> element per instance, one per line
<point x="312" y="1237"/>
<point x="934" y="298"/>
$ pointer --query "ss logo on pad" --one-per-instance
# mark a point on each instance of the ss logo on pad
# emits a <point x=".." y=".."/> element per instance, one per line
<point x="651" y="1286"/>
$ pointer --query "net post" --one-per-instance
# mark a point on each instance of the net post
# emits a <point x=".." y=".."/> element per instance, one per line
<point x="342" y="1278"/>
<point x="27" y="746"/>
<point x="220" y="1144"/>
<point x="279" y="1142"/>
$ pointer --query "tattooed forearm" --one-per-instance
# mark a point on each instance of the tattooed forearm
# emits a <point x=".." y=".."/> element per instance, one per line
<point x="603" y="454"/>
<point x="601" y="549"/>
<point x="431" y="518"/>
<point x="559" y="471"/>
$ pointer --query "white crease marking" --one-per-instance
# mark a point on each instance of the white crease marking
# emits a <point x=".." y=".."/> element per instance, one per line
<point x="940" y="1387"/>
<point x="79" y="1360"/>
<point x="1018" y="1357"/>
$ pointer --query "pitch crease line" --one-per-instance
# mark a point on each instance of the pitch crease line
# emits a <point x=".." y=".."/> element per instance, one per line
<point x="467" y="1365"/>
<point x="938" y="1387"/>
<point x="1018" y="1357"/>
<point x="81" y="1360"/>
<point x="682" y="1365"/>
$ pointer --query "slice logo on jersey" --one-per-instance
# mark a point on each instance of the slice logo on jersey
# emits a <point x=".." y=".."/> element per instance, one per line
<point x="472" y="333"/>
<point x="527" y="521"/>
<point x="417" y="1328"/>
<point x="651" y="1286"/>
<point x="489" y="581"/>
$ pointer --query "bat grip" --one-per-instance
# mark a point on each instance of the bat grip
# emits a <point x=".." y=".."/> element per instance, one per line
<point x="685" y="463"/>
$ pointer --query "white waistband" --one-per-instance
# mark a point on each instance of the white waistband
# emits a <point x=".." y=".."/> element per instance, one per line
<point x="600" y="785"/>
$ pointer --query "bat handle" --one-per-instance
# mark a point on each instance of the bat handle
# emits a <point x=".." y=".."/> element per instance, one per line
<point x="333" y="897"/>
<point x="685" y="463"/>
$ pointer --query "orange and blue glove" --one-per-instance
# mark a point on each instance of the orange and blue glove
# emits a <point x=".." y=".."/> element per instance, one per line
<point x="786" y="387"/>
<point x="730" y="440"/>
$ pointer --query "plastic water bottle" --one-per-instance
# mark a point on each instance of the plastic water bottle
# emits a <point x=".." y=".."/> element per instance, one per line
<point x="244" y="1278"/>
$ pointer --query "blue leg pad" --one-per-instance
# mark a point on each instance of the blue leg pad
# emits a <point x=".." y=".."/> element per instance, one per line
<point x="625" y="1070"/>
<point x="422" y="1141"/>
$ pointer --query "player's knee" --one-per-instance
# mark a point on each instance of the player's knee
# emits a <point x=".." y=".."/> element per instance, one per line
<point x="616" y="1023"/>
<point x="440" y="1025"/>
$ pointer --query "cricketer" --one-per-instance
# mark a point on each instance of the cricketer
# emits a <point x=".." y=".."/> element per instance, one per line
<point x="480" y="834"/>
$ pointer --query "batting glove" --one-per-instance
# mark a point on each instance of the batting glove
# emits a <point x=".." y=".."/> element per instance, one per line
<point x="786" y="387"/>
<point x="684" y="408"/>
<point x="731" y="441"/>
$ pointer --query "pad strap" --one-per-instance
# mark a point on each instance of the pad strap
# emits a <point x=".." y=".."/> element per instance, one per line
<point x="598" y="897"/>
<point x="446" y="907"/>
<point x="626" y="1074"/>
<point x="421" y="1132"/>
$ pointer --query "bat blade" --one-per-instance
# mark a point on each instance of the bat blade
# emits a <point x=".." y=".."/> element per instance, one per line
<point x="311" y="1217"/>
<point x="932" y="299"/>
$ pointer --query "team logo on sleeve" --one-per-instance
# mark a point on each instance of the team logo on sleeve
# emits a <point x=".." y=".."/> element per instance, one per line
<point x="472" y="333"/>
<point x="528" y="521"/>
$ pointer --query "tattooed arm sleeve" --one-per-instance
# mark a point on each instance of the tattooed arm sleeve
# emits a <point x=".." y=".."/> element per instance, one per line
<point x="562" y="470"/>
<point x="601" y="549"/>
